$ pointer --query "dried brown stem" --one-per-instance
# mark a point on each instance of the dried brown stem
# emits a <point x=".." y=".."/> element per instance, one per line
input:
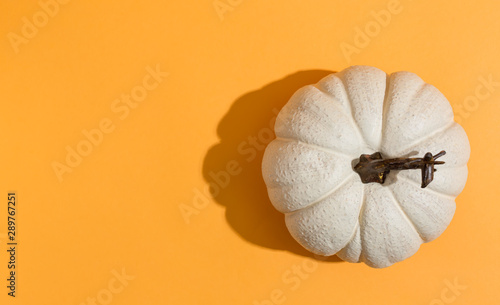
<point x="374" y="168"/>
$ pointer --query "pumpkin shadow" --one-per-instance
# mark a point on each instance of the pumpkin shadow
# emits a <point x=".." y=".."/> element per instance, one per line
<point x="232" y="168"/>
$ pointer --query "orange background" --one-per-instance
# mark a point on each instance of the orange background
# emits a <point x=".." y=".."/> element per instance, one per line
<point x="138" y="202"/>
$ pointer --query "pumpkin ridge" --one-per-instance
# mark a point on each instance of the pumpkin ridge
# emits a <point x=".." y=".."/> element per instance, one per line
<point x="360" y="221"/>
<point x="385" y="109"/>
<point x="349" y="99"/>
<point x="330" y="96"/>
<point x="403" y="213"/>
<point x="434" y="192"/>
<point x="396" y="79"/>
<point x="358" y="225"/>
<point x="437" y="132"/>
<point x="351" y="237"/>
<point x="316" y="147"/>
<point x="349" y="115"/>
<point x="418" y="91"/>
<point x="377" y="250"/>
<point x="326" y="195"/>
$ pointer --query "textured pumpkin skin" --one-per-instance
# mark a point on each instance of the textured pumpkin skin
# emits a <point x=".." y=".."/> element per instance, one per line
<point x="320" y="134"/>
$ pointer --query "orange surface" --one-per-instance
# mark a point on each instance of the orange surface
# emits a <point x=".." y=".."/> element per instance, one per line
<point x="138" y="200"/>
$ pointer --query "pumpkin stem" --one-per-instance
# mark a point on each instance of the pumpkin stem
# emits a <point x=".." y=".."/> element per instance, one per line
<point x="374" y="168"/>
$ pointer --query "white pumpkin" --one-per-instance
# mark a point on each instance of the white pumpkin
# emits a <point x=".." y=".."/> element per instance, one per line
<point x="321" y="133"/>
